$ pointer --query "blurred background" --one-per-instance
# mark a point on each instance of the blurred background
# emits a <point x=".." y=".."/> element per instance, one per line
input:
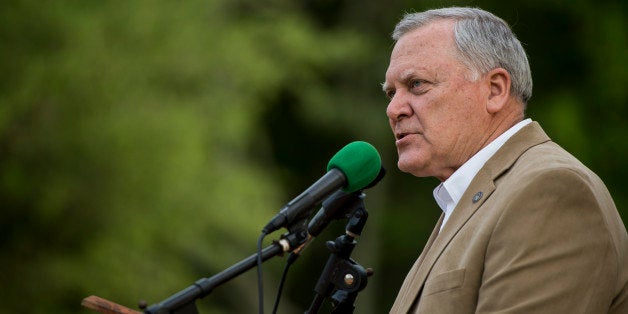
<point x="144" y="144"/>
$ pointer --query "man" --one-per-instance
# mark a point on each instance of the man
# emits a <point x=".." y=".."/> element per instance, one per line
<point x="526" y="228"/>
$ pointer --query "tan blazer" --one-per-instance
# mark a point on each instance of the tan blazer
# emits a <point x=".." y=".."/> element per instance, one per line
<point x="535" y="232"/>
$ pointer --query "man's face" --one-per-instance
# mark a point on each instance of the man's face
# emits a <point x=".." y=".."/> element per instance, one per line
<point x="436" y="113"/>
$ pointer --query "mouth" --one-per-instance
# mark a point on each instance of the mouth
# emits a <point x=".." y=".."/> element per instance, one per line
<point x="403" y="134"/>
<point x="407" y="136"/>
<point x="400" y="136"/>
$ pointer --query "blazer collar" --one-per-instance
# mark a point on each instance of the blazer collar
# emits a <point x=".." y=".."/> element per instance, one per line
<point x="480" y="189"/>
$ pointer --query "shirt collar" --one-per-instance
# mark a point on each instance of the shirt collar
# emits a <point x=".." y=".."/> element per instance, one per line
<point x="448" y="193"/>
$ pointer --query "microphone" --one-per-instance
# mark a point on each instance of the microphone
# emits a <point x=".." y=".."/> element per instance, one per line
<point x="352" y="168"/>
<point x="338" y="205"/>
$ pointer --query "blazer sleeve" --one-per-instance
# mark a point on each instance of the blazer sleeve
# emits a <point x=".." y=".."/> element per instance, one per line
<point x="551" y="250"/>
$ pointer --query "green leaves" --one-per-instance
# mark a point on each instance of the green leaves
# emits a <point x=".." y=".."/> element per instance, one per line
<point x="144" y="144"/>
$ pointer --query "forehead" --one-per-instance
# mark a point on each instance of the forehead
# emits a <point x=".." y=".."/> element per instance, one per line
<point x="426" y="48"/>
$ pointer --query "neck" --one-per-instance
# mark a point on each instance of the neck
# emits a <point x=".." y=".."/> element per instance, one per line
<point x="503" y="120"/>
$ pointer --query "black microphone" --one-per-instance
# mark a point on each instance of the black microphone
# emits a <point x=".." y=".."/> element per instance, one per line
<point x="338" y="206"/>
<point x="352" y="168"/>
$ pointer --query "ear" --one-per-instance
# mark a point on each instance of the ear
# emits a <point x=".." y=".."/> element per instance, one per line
<point x="499" y="87"/>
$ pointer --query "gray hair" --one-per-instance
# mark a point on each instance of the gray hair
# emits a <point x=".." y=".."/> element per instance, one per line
<point x="484" y="42"/>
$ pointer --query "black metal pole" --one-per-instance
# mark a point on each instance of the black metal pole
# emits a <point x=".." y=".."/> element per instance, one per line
<point x="179" y="302"/>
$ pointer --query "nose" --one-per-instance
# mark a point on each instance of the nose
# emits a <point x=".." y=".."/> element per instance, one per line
<point x="398" y="107"/>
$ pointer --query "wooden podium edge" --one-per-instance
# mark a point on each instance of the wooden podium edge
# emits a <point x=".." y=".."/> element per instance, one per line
<point x="105" y="306"/>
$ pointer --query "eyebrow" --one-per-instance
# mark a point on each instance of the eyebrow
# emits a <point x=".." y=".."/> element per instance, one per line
<point x="405" y="76"/>
<point x="384" y="86"/>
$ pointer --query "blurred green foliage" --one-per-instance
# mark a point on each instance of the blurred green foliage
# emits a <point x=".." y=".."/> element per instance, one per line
<point x="144" y="144"/>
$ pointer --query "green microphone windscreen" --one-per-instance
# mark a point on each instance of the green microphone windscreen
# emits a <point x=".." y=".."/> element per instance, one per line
<point x="360" y="162"/>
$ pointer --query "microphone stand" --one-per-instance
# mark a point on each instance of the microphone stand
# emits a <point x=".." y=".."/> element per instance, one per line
<point x="182" y="302"/>
<point x="342" y="276"/>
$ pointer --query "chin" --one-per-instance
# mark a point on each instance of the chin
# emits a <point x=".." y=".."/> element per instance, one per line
<point x="412" y="167"/>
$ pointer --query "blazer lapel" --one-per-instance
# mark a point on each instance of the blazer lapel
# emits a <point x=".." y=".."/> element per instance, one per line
<point x="461" y="214"/>
<point x="411" y="285"/>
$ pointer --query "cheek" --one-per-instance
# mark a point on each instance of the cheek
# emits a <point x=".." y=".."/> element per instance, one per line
<point x="442" y="127"/>
<point x="435" y="119"/>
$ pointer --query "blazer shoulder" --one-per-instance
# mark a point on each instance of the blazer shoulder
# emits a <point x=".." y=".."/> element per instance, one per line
<point x="549" y="157"/>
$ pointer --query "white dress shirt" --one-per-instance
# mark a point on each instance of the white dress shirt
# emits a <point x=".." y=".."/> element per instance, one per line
<point x="449" y="192"/>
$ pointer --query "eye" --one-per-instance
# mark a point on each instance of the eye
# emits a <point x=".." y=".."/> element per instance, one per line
<point x="418" y="87"/>
<point x="390" y="93"/>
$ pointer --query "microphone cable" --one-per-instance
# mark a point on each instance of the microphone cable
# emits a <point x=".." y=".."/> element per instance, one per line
<point x="260" y="283"/>
<point x="291" y="259"/>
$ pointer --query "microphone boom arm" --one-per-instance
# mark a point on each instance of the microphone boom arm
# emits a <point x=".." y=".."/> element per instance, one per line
<point x="182" y="302"/>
